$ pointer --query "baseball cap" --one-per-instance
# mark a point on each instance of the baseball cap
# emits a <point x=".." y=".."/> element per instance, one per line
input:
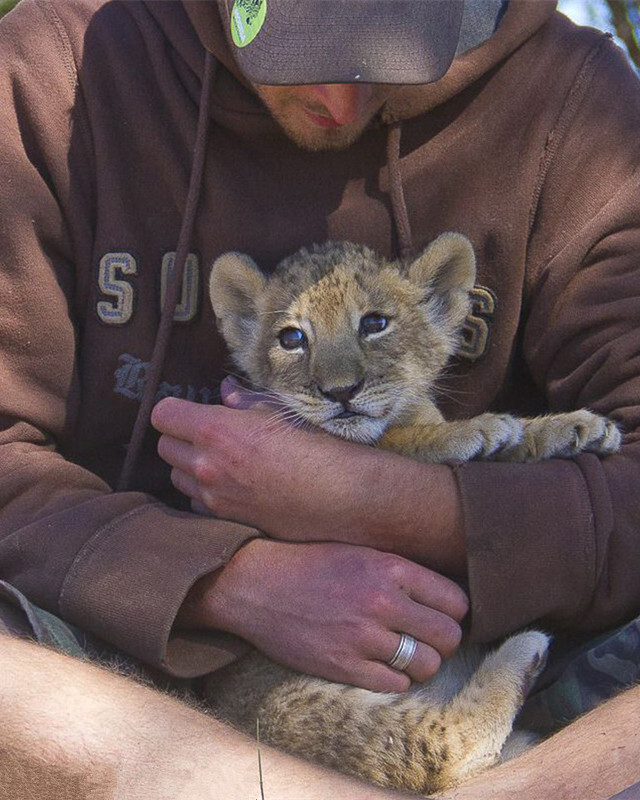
<point x="282" y="42"/>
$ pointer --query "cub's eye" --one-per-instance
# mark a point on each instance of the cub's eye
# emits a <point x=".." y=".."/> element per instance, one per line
<point x="373" y="323"/>
<point x="291" y="338"/>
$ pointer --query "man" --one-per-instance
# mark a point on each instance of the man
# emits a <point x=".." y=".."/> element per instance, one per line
<point x="526" y="144"/>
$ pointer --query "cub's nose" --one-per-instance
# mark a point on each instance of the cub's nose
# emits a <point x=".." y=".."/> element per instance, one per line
<point x="342" y="394"/>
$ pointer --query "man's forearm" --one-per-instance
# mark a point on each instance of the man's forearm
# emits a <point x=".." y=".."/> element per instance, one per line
<point x="301" y="486"/>
<point x="410" y="509"/>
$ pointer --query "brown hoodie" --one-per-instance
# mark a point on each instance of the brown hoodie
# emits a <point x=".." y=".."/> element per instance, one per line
<point x="529" y="146"/>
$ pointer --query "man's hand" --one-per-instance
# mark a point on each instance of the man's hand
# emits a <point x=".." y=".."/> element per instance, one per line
<point x="332" y="610"/>
<point x="249" y="465"/>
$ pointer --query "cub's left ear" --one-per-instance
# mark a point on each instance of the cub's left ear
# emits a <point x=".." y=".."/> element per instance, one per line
<point x="446" y="271"/>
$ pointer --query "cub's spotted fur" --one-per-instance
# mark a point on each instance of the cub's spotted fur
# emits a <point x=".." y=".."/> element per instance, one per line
<point x="354" y="344"/>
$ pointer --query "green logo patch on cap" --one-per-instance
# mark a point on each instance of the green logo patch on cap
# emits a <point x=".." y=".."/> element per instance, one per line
<point x="247" y="18"/>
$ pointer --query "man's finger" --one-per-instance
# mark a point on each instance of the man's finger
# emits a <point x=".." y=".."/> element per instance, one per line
<point x="189" y="487"/>
<point x="435" y="591"/>
<point x="378" y="677"/>
<point x="177" y="453"/>
<point x="440" y="631"/>
<point x="425" y="662"/>
<point x="198" y="507"/>
<point x="182" y="418"/>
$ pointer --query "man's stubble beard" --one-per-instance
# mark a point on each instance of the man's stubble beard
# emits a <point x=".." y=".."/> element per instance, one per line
<point x="318" y="141"/>
<point x="289" y="115"/>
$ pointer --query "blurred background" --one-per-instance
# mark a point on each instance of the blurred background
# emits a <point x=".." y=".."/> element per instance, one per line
<point x="619" y="17"/>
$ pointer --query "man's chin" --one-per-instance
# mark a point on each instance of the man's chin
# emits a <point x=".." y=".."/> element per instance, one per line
<point x="315" y="139"/>
<point x="310" y="125"/>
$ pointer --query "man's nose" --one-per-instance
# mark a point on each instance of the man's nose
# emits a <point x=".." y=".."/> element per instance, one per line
<point x="344" y="101"/>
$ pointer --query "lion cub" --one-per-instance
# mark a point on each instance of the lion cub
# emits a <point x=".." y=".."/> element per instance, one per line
<point x="354" y="344"/>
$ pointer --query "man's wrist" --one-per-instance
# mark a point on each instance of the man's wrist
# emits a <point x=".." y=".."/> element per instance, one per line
<point x="209" y="603"/>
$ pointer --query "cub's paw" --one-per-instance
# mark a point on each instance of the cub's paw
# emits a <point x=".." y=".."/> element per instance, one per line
<point x="525" y="655"/>
<point x="458" y="440"/>
<point x="566" y="435"/>
<point x="486" y="435"/>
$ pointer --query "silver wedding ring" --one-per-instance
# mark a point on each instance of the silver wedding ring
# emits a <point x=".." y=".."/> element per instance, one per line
<point x="405" y="652"/>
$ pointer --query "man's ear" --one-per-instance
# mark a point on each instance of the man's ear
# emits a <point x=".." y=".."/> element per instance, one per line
<point x="446" y="271"/>
<point x="234" y="287"/>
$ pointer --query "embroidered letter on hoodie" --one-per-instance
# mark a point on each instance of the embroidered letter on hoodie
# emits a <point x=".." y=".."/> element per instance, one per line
<point x="119" y="309"/>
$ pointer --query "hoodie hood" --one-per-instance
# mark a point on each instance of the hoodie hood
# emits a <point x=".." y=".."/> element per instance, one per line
<point x="521" y="20"/>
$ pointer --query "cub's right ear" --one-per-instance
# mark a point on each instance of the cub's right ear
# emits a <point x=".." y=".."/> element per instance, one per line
<point x="234" y="287"/>
<point x="446" y="271"/>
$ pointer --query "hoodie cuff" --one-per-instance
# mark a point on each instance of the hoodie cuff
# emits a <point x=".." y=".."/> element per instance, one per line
<point x="530" y="544"/>
<point x="128" y="582"/>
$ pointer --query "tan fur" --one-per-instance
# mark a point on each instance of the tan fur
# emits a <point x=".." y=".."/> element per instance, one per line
<point x="379" y="388"/>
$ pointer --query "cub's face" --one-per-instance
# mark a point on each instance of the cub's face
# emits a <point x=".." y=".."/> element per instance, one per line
<point x="347" y="341"/>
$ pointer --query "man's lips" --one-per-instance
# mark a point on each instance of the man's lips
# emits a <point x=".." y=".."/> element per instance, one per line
<point x="321" y="120"/>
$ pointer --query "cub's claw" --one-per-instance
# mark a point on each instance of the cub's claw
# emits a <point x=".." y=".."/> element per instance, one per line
<point x="566" y="435"/>
<point x="495" y="433"/>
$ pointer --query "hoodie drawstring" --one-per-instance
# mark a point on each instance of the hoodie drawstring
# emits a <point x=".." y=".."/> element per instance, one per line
<point x="396" y="190"/>
<point x="152" y="377"/>
<point x="153" y="374"/>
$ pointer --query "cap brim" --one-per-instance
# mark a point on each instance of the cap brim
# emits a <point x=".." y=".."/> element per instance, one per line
<point x="348" y="41"/>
